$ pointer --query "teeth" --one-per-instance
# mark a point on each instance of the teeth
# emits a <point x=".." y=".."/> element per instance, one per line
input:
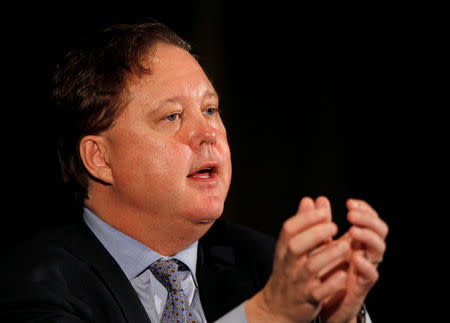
<point x="203" y="173"/>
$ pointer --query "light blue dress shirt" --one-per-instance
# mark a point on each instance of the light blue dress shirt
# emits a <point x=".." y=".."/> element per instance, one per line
<point x="134" y="258"/>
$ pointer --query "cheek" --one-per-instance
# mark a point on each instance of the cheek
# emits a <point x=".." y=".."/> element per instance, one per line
<point x="168" y="163"/>
<point x="171" y="157"/>
<point x="153" y="162"/>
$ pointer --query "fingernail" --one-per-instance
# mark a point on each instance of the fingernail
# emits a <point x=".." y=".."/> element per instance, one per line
<point x="353" y="202"/>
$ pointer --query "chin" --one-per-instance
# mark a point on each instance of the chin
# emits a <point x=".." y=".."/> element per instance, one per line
<point x="205" y="215"/>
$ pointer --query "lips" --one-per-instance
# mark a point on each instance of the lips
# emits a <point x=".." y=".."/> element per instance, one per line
<point x="204" y="172"/>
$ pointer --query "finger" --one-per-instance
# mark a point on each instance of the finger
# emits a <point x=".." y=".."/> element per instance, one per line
<point x="330" y="286"/>
<point x="367" y="272"/>
<point x="306" y="204"/>
<point x="363" y="219"/>
<point x="355" y="204"/>
<point x="301" y="222"/>
<point x="306" y="217"/>
<point x="323" y="203"/>
<point x="330" y="257"/>
<point x="374" y="244"/>
<point x="311" y="238"/>
<point x="296" y="251"/>
<point x="294" y="226"/>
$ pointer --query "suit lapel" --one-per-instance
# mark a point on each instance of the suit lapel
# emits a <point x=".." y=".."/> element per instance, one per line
<point x="123" y="292"/>
<point x="87" y="247"/>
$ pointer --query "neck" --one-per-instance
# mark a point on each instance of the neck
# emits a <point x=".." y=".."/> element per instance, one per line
<point x="164" y="234"/>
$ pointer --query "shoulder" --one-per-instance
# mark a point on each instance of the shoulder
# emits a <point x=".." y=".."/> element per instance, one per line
<point x="51" y="274"/>
<point x="45" y="247"/>
<point x="49" y="246"/>
<point x="48" y="259"/>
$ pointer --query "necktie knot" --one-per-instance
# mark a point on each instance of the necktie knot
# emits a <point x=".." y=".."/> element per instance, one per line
<point x="165" y="270"/>
<point x="177" y="308"/>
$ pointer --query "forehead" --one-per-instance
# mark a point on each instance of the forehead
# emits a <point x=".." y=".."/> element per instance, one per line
<point x="167" y="57"/>
<point x="173" y="72"/>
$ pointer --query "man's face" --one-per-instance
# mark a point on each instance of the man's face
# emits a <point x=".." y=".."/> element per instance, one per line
<point x="168" y="149"/>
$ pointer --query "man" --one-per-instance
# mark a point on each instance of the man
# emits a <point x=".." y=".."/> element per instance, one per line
<point x="144" y="147"/>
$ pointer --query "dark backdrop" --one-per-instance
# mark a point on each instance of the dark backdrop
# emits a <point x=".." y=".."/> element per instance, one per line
<point x="317" y="101"/>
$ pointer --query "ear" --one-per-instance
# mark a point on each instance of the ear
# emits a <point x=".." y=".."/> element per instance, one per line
<point x="93" y="152"/>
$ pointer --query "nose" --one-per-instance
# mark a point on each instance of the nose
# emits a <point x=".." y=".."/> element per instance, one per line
<point x="202" y="133"/>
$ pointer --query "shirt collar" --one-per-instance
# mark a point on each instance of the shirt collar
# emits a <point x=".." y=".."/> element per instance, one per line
<point x="131" y="255"/>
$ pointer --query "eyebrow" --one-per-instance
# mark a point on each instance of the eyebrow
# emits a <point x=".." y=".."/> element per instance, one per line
<point x="206" y="95"/>
<point x="211" y="94"/>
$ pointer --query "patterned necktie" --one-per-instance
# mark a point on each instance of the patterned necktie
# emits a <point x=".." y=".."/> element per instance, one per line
<point x="177" y="309"/>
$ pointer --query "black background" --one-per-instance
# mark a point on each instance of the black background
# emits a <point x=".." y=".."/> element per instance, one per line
<point x="334" y="101"/>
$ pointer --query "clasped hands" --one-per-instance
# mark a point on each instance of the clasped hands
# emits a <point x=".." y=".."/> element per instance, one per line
<point x="316" y="275"/>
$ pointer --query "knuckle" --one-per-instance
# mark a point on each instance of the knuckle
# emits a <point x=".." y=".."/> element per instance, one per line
<point x="373" y="278"/>
<point x="309" y="267"/>
<point x="292" y="247"/>
<point x="376" y="276"/>
<point x="383" y="248"/>
<point x="332" y="228"/>
<point x="287" y="228"/>
<point x="313" y="297"/>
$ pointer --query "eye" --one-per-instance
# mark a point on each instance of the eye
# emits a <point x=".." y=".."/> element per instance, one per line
<point x="173" y="116"/>
<point x="210" y="111"/>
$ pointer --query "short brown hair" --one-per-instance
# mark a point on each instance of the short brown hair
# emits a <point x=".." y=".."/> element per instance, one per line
<point x="88" y="89"/>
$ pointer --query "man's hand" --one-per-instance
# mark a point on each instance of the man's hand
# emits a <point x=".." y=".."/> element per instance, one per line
<point x="367" y="237"/>
<point x="305" y="253"/>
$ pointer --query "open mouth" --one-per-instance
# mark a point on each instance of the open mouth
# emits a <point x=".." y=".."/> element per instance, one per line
<point x="204" y="173"/>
